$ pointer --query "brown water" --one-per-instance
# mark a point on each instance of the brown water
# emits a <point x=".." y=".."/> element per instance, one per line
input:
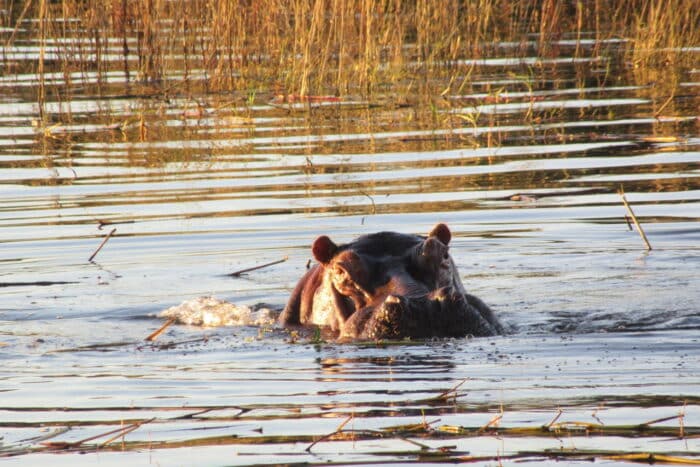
<point x="525" y="169"/>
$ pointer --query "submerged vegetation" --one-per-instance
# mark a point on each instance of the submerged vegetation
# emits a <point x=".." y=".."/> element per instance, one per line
<point x="298" y="48"/>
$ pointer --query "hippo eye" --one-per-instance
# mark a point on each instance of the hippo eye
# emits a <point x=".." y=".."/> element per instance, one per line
<point x="446" y="256"/>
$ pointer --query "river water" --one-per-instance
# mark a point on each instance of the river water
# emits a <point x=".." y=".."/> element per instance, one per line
<point x="525" y="171"/>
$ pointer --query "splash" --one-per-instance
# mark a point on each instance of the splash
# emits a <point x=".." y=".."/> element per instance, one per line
<point x="212" y="312"/>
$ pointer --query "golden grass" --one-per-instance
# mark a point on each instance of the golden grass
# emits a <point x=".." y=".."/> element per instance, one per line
<point x="334" y="47"/>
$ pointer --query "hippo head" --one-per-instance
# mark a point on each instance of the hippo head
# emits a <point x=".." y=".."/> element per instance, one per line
<point x="387" y="285"/>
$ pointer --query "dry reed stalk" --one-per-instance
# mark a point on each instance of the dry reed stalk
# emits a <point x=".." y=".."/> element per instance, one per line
<point x="125" y="430"/>
<point x="334" y="46"/>
<point x="345" y="422"/>
<point x="255" y="268"/>
<point x="634" y="219"/>
<point x="41" y="91"/>
<point x="199" y="412"/>
<point x="18" y="22"/>
<point x="450" y="393"/>
<point x="550" y="27"/>
<point x="661" y="420"/>
<point x="556" y="417"/>
<point x="491" y="423"/>
<point x="122" y="430"/>
<point x="659" y="32"/>
<point x="154" y="335"/>
<point x="107" y="237"/>
<point x="653" y="458"/>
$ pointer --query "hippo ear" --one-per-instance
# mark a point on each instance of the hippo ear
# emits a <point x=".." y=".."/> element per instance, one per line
<point x="323" y="249"/>
<point x="442" y="232"/>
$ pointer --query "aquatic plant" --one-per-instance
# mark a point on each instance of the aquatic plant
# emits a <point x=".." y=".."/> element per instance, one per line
<point x="333" y="47"/>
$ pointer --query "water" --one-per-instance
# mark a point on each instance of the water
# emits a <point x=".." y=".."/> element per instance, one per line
<point x="526" y="177"/>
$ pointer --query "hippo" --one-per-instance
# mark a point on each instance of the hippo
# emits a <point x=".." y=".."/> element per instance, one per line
<point x="388" y="285"/>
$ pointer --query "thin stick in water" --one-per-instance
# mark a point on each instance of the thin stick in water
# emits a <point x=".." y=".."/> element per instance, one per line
<point x="255" y="268"/>
<point x="556" y="417"/>
<point x="102" y="244"/>
<point x="128" y="429"/>
<point x="660" y="420"/>
<point x="493" y="422"/>
<point x="452" y="392"/>
<point x="634" y="219"/>
<point x="345" y="422"/>
<point x="74" y="444"/>
<point x="154" y="335"/>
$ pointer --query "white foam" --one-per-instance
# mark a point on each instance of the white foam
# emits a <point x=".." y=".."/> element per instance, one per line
<point x="212" y="312"/>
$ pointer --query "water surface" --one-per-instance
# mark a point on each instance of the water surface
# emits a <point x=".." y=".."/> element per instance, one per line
<point x="604" y="335"/>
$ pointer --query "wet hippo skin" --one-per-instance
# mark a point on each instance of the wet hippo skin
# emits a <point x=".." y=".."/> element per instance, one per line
<point x="388" y="285"/>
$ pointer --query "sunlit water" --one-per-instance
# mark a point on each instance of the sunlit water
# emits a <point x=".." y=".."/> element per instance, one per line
<point x="526" y="175"/>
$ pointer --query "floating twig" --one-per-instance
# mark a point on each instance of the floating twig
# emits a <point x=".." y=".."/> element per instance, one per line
<point x="634" y="219"/>
<point x="493" y="422"/>
<point x="154" y="335"/>
<point x="660" y="420"/>
<point x="122" y="431"/>
<point x="128" y="429"/>
<point x="102" y="244"/>
<point x="653" y="458"/>
<point x="195" y="415"/>
<point x="255" y="268"/>
<point x="452" y="392"/>
<point x="375" y="433"/>
<point x="556" y="417"/>
<point x="345" y="422"/>
<point x="322" y="438"/>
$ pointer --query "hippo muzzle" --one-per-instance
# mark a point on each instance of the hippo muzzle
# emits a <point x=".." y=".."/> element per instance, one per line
<point x="388" y="285"/>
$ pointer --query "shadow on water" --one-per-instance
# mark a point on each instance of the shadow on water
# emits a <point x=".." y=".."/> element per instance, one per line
<point x="521" y="151"/>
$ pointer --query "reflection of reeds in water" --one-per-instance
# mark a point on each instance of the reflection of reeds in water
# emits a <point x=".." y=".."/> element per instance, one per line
<point x="334" y="46"/>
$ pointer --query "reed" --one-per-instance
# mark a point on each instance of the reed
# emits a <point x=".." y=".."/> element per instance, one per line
<point x="661" y="32"/>
<point x="336" y="47"/>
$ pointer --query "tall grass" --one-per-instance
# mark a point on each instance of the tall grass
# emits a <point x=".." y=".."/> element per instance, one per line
<point x="307" y="47"/>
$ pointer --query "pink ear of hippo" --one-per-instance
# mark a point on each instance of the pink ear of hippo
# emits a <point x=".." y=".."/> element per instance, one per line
<point x="323" y="249"/>
<point x="442" y="232"/>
